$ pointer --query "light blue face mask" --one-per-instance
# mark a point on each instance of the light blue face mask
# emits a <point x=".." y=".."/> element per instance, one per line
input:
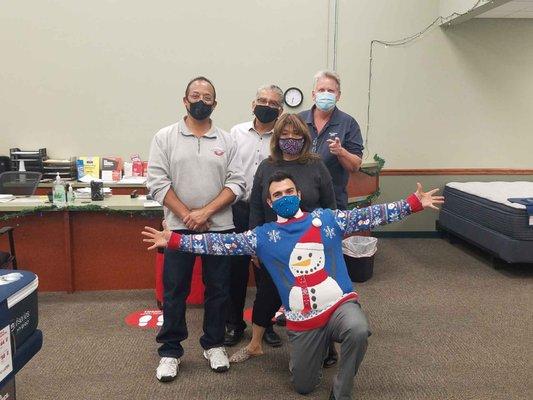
<point x="325" y="101"/>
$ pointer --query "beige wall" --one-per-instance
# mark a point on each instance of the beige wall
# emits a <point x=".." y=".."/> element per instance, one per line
<point x="101" y="77"/>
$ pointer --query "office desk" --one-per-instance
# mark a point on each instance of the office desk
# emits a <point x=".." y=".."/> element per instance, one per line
<point x="85" y="250"/>
<point x="116" y="188"/>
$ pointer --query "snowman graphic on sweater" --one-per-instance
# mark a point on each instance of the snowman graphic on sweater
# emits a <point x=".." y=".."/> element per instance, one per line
<point x="313" y="288"/>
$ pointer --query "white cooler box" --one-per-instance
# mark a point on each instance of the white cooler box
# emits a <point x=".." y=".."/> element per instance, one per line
<point x="19" y="288"/>
<point x="20" y="339"/>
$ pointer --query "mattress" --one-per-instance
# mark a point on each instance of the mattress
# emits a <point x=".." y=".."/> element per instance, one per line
<point x="18" y="289"/>
<point x="498" y="244"/>
<point x="485" y="204"/>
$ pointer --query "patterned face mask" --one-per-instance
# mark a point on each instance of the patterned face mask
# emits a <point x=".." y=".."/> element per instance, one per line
<point x="291" y="146"/>
<point x="286" y="206"/>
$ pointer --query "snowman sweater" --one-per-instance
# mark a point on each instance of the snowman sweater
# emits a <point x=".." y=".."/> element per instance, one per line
<point x="303" y="255"/>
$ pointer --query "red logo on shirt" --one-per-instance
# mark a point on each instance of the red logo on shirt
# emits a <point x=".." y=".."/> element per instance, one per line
<point x="218" y="151"/>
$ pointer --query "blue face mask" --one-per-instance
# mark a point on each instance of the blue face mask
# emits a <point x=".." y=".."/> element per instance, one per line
<point x="286" y="206"/>
<point x="325" y="101"/>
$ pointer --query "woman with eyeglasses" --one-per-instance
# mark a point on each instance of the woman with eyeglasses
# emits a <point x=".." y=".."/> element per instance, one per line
<point x="290" y="152"/>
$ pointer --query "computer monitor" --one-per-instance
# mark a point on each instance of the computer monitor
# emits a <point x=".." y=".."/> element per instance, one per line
<point x="19" y="183"/>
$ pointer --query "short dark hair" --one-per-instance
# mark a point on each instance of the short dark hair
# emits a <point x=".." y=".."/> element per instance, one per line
<point x="279" y="176"/>
<point x="203" y="79"/>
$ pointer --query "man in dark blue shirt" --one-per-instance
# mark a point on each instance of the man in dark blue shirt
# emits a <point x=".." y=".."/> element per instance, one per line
<point x="336" y="135"/>
<point x="337" y="139"/>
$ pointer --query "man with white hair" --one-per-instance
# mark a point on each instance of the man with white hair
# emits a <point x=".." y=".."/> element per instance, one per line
<point x="336" y="135"/>
<point x="337" y="139"/>
<point x="253" y="146"/>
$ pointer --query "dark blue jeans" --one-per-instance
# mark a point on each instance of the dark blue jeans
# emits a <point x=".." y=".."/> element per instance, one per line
<point x="239" y="271"/>
<point x="177" y="276"/>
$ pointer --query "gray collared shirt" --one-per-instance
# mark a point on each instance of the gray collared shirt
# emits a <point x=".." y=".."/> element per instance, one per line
<point x="252" y="147"/>
<point x="347" y="129"/>
<point x="197" y="169"/>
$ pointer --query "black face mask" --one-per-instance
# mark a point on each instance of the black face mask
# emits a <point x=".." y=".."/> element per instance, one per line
<point x="200" y="110"/>
<point x="265" y="114"/>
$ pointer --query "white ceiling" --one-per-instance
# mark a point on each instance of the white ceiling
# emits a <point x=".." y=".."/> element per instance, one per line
<point x="511" y="9"/>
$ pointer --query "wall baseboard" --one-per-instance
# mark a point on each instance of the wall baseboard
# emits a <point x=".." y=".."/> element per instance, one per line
<point x="408" y="234"/>
<point x="455" y="171"/>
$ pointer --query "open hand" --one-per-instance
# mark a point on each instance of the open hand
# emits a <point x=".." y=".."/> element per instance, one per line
<point x="427" y="198"/>
<point x="157" y="238"/>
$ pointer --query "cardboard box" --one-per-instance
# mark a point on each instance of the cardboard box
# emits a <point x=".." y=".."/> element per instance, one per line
<point x="112" y="168"/>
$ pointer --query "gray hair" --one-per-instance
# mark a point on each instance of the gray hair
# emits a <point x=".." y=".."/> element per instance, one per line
<point x="327" y="74"/>
<point x="273" y="88"/>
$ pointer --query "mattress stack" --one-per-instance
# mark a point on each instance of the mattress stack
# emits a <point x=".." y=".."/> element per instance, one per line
<point x="480" y="213"/>
<point x="20" y="339"/>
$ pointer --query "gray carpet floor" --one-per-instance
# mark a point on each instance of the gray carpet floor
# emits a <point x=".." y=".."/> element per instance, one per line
<point x="445" y="324"/>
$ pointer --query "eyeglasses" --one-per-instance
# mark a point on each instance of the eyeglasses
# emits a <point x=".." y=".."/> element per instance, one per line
<point x="195" y="96"/>
<point x="265" y="102"/>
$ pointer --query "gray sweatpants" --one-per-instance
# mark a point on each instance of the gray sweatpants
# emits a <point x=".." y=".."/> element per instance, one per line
<point x="347" y="326"/>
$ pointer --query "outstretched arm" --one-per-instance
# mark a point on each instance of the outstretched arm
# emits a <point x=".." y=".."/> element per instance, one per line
<point x="370" y="217"/>
<point x="220" y="244"/>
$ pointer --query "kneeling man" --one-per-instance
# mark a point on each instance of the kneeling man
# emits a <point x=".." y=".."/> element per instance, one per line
<point x="303" y="254"/>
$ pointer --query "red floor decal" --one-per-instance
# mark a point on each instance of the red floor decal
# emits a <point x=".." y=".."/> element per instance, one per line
<point x="145" y="319"/>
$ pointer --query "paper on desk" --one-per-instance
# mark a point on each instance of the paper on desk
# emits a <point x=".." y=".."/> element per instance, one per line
<point x="128" y="180"/>
<point x="38" y="200"/>
<point x="151" y="203"/>
<point x="88" y="190"/>
<point x="88" y="179"/>
<point x="4" y="198"/>
<point x="85" y="193"/>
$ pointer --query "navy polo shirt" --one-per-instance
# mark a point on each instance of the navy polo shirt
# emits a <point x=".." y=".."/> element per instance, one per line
<point x="347" y="129"/>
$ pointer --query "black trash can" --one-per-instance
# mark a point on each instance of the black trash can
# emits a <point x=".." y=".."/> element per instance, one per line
<point x="359" y="257"/>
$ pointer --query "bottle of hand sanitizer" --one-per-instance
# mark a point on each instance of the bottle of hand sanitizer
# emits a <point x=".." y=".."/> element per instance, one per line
<point x="70" y="195"/>
<point x="59" y="195"/>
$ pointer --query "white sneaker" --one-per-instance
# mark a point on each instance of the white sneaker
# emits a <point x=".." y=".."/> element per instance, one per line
<point x="167" y="369"/>
<point x="218" y="359"/>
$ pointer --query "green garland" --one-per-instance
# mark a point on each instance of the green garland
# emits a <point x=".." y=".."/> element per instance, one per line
<point x="374" y="171"/>
<point x="88" y="208"/>
<point x="364" y="202"/>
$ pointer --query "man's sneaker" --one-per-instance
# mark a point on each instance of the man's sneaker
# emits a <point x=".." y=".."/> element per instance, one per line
<point x="167" y="369"/>
<point x="218" y="359"/>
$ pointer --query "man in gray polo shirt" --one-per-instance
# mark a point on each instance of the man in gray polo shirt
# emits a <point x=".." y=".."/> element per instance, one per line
<point x="337" y="139"/>
<point x="195" y="172"/>
<point x="253" y="146"/>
